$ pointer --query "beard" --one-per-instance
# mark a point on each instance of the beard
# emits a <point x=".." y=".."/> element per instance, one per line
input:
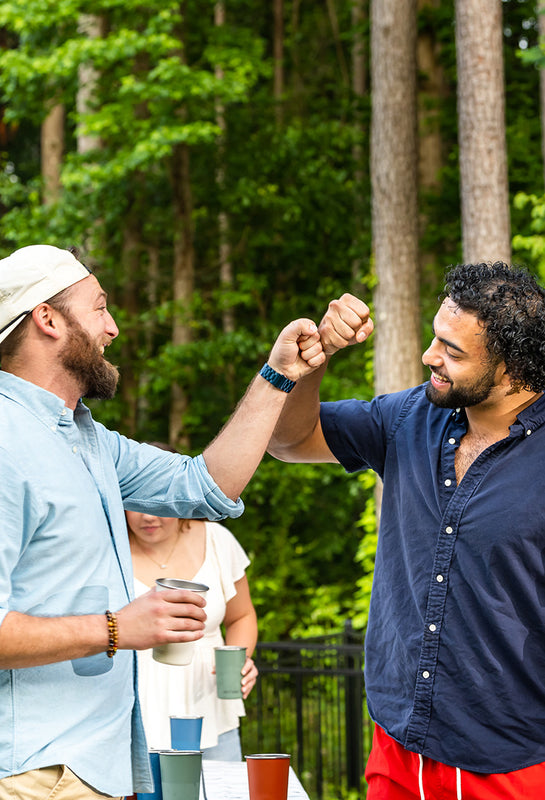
<point x="464" y="396"/>
<point x="84" y="360"/>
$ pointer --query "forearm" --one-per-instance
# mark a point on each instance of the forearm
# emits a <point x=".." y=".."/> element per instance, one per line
<point x="155" y="618"/>
<point x="27" y="641"/>
<point x="234" y="455"/>
<point x="243" y="633"/>
<point x="296" y="433"/>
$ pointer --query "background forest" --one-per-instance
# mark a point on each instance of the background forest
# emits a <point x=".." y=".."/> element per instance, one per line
<point x="218" y="165"/>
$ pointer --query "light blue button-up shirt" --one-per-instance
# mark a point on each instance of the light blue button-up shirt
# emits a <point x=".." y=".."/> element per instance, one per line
<point x="64" y="483"/>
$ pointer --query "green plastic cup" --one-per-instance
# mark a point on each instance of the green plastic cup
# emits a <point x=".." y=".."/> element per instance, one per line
<point x="229" y="663"/>
<point x="180" y="774"/>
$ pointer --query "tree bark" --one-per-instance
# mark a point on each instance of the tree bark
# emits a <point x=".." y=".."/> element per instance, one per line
<point x="359" y="89"/>
<point x="334" y="22"/>
<point x="429" y="98"/>
<point x="278" y="60"/>
<point x="131" y="252"/>
<point x="92" y="26"/>
<point x="394" y="194"/>
<point x="486" y="229"/>
<point x="226" y="266"/>
<point x="430" y="95"/>
<point x="541" y="27"/>
<point x="52" y="150"/>
<point x="182" y="283"/>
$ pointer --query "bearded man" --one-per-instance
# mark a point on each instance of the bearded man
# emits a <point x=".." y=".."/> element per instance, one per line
<point x="70" y="724"/>
<point x="455" y="645"/>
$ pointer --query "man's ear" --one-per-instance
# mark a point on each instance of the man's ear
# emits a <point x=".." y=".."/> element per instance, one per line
<point x="47" y="319"/>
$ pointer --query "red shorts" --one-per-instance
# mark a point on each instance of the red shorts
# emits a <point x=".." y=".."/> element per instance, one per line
<point x="394" y="773"/>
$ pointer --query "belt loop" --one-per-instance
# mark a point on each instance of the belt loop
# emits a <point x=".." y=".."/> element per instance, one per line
<point x="458" y="783"/>
<point x="420" y="778"/>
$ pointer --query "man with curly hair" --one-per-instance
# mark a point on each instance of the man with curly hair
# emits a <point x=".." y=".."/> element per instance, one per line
<point x="455" y="645"/>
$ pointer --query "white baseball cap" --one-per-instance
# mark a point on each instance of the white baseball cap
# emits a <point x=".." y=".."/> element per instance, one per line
<point x="30" y="276"/>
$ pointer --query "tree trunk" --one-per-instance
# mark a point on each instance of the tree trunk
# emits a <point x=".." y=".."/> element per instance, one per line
<point x="431" y="90"/>
<point x="394" y="194"/>
<point x="52" y="149"/>
<point x="334" y="22"/>
<point x="541" y="26"/>
<point x="130" y="258"/>
<point x="226" y="267"/>
<point x="183" y="284"/>
<point x="429" y="98"/>
<point x="93" y="27"/>
<point x="148" y="333"/>
<point x="278" y="58"/>
<point x="486" y="233"/>
<point x="359" y="88"/>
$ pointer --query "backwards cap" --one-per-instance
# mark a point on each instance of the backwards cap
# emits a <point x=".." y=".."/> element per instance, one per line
<point x="31" y="276"/>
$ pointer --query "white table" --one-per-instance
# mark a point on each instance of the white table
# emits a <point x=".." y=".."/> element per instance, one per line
<point x="228" y="780"/>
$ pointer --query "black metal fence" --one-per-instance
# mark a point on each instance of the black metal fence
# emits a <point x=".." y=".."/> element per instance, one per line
<point x="310" y="702"/>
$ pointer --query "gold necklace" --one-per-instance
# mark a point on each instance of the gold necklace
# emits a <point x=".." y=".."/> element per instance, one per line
<point x="165" y="564"/>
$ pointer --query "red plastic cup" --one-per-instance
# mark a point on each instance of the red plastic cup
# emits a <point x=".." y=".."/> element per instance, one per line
<point x="268" y="776"/>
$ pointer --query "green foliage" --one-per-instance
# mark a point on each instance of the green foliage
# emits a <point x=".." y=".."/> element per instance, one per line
<point x="298" y="220"/>
<point x="532" y="245"/>
<point x="291" y="177"/>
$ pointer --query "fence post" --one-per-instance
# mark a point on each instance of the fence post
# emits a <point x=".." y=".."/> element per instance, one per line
<point x="353" y="712"/>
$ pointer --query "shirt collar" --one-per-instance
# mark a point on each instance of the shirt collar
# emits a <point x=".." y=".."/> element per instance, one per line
<point x="532" y="417"/>
<point x="45" y="405"/>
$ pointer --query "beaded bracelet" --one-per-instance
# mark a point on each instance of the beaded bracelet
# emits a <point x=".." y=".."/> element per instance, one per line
<point x="112" y="634"/>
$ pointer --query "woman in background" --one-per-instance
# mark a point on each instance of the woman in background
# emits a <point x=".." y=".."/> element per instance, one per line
<point x="208" y="553"/>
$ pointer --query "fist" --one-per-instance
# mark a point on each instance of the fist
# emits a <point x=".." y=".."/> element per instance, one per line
<point x="298" y="350"/>
<point x="345" y="322"/>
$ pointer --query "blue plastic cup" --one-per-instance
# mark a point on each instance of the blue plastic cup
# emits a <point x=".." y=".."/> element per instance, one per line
<point x="185" y="733"/>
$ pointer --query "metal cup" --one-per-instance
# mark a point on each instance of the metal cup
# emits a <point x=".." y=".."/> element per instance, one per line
<point x="268" y="775"/>
<point x="229" y="662"/>
<point x="177" y="653"/>
<point x="180" y="774"/>
<point x="185" y="733"/>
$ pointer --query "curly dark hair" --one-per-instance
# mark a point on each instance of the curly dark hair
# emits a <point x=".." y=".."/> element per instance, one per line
<point x="511" y="305"/>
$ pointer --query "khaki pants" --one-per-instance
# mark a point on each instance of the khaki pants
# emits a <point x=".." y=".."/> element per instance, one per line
<point x="48" y="783"/>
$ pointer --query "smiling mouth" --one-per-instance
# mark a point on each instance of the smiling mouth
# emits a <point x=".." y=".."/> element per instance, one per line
<point x="438" y="380"/>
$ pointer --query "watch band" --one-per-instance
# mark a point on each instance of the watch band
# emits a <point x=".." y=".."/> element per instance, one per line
<point x="278" y="380"/>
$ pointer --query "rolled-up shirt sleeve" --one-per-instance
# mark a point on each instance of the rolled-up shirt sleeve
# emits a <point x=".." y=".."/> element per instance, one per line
<point x="157" y="482"/>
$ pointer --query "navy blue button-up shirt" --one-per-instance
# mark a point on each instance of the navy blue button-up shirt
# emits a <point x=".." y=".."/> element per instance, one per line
<point x="455" y="646"/>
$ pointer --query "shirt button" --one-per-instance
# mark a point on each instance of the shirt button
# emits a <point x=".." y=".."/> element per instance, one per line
<point x="439" y="579"/>
<point x="528" y="432"/>
<point x="425" y="674"/>
<point x="448" y="482"/>
<point x="74" y="449"/>
<point x="448" y="529"/>
<point x="53" y="427"/>
<point x="452" y="440"/>
<point x="433" y="628"/>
